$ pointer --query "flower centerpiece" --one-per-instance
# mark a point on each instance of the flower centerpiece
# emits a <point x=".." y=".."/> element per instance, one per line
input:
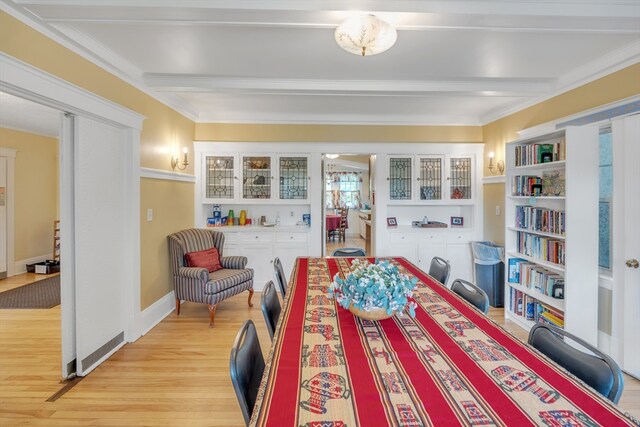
<point x="374" y="291"/>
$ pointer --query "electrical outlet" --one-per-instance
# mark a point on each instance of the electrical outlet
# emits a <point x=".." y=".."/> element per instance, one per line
<point x="149" y="215"/>
<point x="497" y="210"/>
<point x="291" y="214"/>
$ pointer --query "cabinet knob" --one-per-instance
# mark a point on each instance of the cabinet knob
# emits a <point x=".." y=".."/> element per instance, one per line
<point x="388" y="179"/>
<point x="256" y="237"/>
<point x="291" y="237"/>
<point x="235" y="177"/>
<point x="417" y="179"/>
<point x="272" y="177"/>
<point x="309" y="178"/>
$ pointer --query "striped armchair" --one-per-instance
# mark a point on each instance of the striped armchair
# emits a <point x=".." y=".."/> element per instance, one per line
<point x="197" y="284"/>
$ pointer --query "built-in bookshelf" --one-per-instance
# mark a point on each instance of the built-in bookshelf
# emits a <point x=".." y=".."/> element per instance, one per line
<point x="551" y="219"/>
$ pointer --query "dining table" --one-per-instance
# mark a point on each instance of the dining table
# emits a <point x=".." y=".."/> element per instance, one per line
<point x="333" y="222"/>
<point x="449" y="365"/>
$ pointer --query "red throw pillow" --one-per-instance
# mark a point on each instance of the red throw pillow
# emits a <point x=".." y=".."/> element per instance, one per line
<point x="209" y="259"/>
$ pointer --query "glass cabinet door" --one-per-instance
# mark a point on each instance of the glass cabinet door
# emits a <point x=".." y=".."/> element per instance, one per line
<point x="400" y="178"/>
<point x="256" y="177"/>
<point x="430" y="177"/>
<point x="294" y="177"/>
<point x="220" y="177"/>
<point x="460" y="178"/>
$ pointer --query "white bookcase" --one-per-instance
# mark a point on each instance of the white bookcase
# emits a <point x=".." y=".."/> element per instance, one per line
<point x="551" y="219"/>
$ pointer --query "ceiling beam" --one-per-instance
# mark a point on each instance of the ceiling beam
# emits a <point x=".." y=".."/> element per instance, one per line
<point x="213" y="84"/>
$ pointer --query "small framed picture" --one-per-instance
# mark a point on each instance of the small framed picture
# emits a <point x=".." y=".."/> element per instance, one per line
<point x="391" y="221"/>
<point x="457" y="221"/>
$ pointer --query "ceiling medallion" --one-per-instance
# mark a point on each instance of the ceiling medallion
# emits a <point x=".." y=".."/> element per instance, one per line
<point x="365" y="35"/>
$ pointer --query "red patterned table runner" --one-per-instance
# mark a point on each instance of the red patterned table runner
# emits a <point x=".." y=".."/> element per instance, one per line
<point x="450" y="365"/>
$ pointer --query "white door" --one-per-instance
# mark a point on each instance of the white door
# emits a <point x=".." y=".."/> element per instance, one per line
<point x="96" y="254"/>
<point x="626" y="269"/>
<point x="3" y="216"/>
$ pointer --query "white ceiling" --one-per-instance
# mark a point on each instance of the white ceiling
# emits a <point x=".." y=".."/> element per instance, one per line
<point x="258" y="61"/>
<point x="21" y="114"/>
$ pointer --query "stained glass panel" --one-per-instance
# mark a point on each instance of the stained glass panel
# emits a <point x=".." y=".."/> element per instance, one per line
<point x="256" y="177"/>
<point x="430" y="178"/>
<point x="293" y="178"/>
<point x="220" y="177"/>
<point x="460" y="180"/>
<point x="400" y="178"/>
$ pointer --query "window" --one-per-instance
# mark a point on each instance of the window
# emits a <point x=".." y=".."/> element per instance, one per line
<point x="605" y="198"/>
<point x="343" y="189"/>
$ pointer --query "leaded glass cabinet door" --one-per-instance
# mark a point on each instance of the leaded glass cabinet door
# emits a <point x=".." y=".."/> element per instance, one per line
<point x="257" y="176"/>
<point x="460" y="178"/>
<point x="293" y="177"/>
<point x="400" y="177"/>
<point x="430" y="177"/>
<point x="220" y="177"/>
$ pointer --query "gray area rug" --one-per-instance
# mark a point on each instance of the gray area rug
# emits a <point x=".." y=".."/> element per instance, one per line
<point x="41" y="294"/>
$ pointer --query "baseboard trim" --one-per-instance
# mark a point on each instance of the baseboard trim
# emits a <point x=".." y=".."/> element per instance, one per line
<point x="157" y="311"/>
<point x="20" y="267"/>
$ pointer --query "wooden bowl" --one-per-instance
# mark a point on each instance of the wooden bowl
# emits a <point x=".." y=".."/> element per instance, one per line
<point x="376" y="314"/>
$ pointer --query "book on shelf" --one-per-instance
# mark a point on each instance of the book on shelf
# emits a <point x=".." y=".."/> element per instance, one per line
<point x="514" y="269"/>
<point x="532" y="154"/>
<point x="553" y="183"/>
<point x="545" y="153"/>
<point x="540" y="247"/>
<point x="540" y="219"/>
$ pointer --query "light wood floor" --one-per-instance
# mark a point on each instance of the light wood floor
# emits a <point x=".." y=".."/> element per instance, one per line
<point x="176" y="375"/>
<point x="354" y="241"/>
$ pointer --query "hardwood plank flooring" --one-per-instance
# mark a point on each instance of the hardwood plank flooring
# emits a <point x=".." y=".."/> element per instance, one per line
<point x="350" y="241"/>
<point x="175" y="375"/>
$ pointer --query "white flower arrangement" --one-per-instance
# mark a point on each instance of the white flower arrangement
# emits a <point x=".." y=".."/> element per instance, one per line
<point x="373" y="286"/>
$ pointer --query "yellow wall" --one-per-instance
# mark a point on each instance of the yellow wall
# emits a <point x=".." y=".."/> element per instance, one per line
<point x="163" y="131"/>
<point x="336" y="133"/>
<point x="36" y="191"/>
<point x="608" y="89"/>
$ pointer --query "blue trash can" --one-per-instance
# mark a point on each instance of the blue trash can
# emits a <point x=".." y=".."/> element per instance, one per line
<point x="489" y="270"/>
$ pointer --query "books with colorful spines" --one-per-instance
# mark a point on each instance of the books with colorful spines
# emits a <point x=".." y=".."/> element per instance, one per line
<point x="530" y="308"/>
<point x="551" y="318"/>
<point x="514" y="269"/>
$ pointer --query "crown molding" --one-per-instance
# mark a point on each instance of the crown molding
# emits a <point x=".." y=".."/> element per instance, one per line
<point x="608" y="64"/>
<point x="96" y="58"/>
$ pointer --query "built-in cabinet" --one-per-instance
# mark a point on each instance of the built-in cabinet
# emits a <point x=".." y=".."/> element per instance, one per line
<point x="431" y="179"/>
<point x="255" y="178"/>
<point x="420" y="246"/>
<point x="262" y="245"/>
<point x="551" y="236"/>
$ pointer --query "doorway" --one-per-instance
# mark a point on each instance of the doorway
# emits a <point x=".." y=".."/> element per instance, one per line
<point x="347" y="199"/>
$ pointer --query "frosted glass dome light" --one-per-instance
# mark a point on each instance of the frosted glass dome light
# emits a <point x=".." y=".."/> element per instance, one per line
<point x="365" y="35"/>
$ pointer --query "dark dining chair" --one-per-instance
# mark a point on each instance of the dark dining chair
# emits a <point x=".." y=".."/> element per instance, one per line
<point x="440" y="269"/>
<point x="473" y="294"/>
<point x="349" y="252"/>
<point x="270" y="307"/>
<point x="281" y="279"/>
<point x="247" y="367"/>
<point x="597" y="370"/>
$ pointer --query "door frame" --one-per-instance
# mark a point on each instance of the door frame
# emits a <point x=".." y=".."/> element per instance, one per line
<point x="26" y="81"/>
<point x="10" y="155"/>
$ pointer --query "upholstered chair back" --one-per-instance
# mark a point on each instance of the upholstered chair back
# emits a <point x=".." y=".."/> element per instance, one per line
<point x="192" y="240"/>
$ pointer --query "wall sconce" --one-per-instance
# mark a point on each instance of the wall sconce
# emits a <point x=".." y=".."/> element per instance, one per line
<point x="175" y="161"/>
<point x="496" y="168"/>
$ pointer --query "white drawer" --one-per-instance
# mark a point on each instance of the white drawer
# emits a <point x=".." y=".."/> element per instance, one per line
<point x="291" y="237"/>
<point x="432" y="238"/>
<point x="246" y="237"/>
<point x="402" y="238"/>
<point x="459" y="237"/>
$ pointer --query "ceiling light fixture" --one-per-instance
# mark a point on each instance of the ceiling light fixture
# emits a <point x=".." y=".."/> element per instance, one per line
<point x="365" y="35"/>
